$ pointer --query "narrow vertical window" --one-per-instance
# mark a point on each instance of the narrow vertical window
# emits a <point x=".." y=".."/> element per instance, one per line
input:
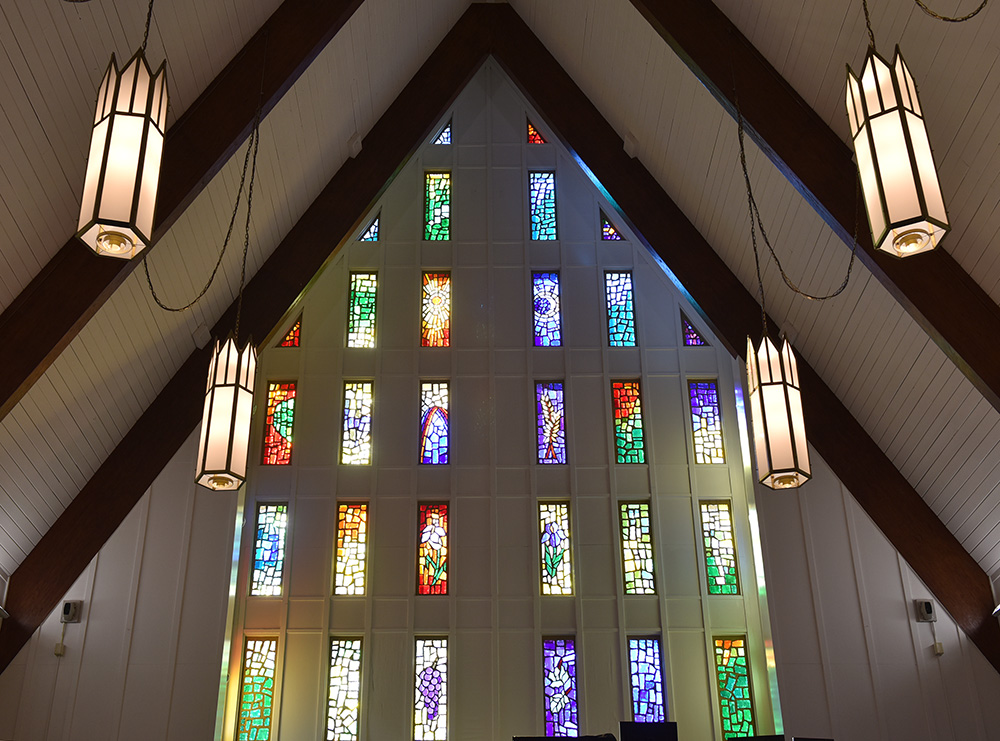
<point x="534" y="135"/>
<point x="720" y="548"/>
<point x="559" y="675"/>
<point x="444" y="136"/>
<point x="621" y="309"/>
<point x="278" y="424"/>
<point x="437" y="209"/>
<point x="706" y="422"/>
<point x="432" y="550"/>
<point x="370" y="234"/>
<point x="637" y="548"/>
<point x="356" y="445"/>
<point x="557" y="571"/>
<point x="435" y="330"/>
<point x="608" y="231"/>
<point x="361" y="310"/>
<point x="548" y="309"/>
<point x="692" y="338"/>
<point x="551" y="422"/>
<point x="629" y="438"/>
<point x="269" y="550"/>
<point x="344" y="698"/>
<point x="735" y="696"/>
<point x="291" y="338"/>
<point x="646" y="673"/>
<point x="257" y="689"/>
<point x="434" y="422"/>
<point x="542" y="199"/>
<point x="430" y="702"/>
<point x="352" y="544"/>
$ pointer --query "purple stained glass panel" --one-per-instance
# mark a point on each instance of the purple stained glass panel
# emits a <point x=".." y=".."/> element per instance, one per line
<point x="559" y="674"/>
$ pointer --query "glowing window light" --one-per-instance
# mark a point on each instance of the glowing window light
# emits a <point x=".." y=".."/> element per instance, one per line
<point x="356" y="444"/>
<point x="430" y="703"/>
<point x="608" y="231"/>
<point x="256" y="689"/>
<point x="559" y="674"/>
<point x="692" y="338"/>
<point x="434" y="427"/>
<point x="432" y="549"/>
<point x="646" y="675"/>
<point x="344" y="696"/>
<point x="534" y="135"/>
<point x="621" y="309"/>
<point x="361" y="311"/>
<point x="548" y="309"/>
<point x="720" y="548"/>
<point x="371" y="233"/>
<point x="637" y="548"/>
<point x="269" y="550"/>
<point x="352" y="545"/>
<point x="542" y="202"/>
<point x="555" y="552"/>
<point x="437" y="209"/>
<point x="291" y="338"/>
<point x="706" y="422"/>
<point x="435" y="330"/>
<point x="735" y="694"/>
<point x="551" y="418"/>
<point x="278" y="424"/>
<point x="444" y="136"/>
<point x="629" y="438"/>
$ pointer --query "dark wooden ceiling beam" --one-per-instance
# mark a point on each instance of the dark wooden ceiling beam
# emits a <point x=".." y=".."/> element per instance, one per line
<point x="68" y="291"/>
<point x="933" y="288"/>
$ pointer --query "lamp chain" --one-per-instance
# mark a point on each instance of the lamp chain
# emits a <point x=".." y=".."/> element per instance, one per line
<point x="923" y="6"/>
<point x="149" y="17"/>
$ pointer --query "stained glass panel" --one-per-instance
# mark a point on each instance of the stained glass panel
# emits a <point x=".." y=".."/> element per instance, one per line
<point x="548" y="309"/>
<point x="621" y="310"/>
<point x="344" y="699"/>
<point x="706" y="422"/>
<point x="608" y="231"/>
<point x="257" y="690"/>
<point x="356" y="445"/>
<point x="430" y="703"/>
<point x="437" y="210"/>
<point x="648" y="704"/>
<point x="352" y="544"/>
<point x="637" y="548"/>
<point x="444" y="136"/>
<point x="691" y="336"/>
<point x="559" y="675"/>
<point x="269" y="550"/>
<point x="291" y="338"/>
<point x="551" y="422"/>
<point x="720" y="548"/>
<point x="542" y="199"/>
<point x="735" y="696"/>
<point x="534" y="135"/>
<point x="278" y="424"/>
<point x="434" y="422"/>
<point x="361" y="310"/>
<point x="436" y="311"/>
<point x="371" y="233"/>
<point x="556" y="564"/>
<point x="432" y="550"/>
<point x="629" y="438"/>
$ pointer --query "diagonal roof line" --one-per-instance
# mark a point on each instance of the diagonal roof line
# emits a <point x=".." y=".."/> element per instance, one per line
<point x="72" y="287"/>
<point x="941" y="297"/>
<point x="937" y="557"/>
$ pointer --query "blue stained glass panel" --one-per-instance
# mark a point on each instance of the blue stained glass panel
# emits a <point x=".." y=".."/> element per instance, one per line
<point x="548" y="309"/>
<point x="444" y="137"/>
<point x="706" y="422"/>
<point x="648" y="705"/>
<point x="621" y="309"/>
<point x="691" y="336"/>
<point x="551" y="422"/>
<point x="542" y="199"/>
<point x="434" y="430"/>
<point x="269" y="550"/>
<point x="371" y="233"/>
<point x="559" y="675"/>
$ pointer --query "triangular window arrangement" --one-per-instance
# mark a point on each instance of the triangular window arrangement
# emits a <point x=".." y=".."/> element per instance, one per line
<point x="692" y="338"/>
<point x="371" y="233"/>
<point x="291" y="339"/>
<point x="534" y="135"/>
<point x="608" y="231"/>
<point x="444" y="136"/>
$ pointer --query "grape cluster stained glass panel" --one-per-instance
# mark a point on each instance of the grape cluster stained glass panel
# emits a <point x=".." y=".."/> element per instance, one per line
<point x="434" y="422"/>
<point x="548" y="309"/>
<point x="361" y="312"/>
<point x="735" y="697"/>
<point x="629" y="439"/>
<point x="720" y="548"/>
<point x="551" y="422"/>
<point x="257" y="690"/>
<point x="706" y="422"/>
<point x="559" y="676"/>
<point x="691" y="336"/>
<point x="291" y="338"/>
<point x="555" y="552"/>
<point x="344" y="699"/>
<point x="371" y="233"/>
<point x="356" y="445"/>
<point x="444" y="136"/>
<point x="269" y="550"/>
<point x="648" y="704"/>
<point x="435" y="329"/>
<point x="534" y="135"/>
<point x="430" y="704"/>
<point x="437" y="209"/>
<point x="278" y="424"/>
<point x="432" y="549"/>
<point x="608" y="231"/>
<point x="352" y="545"/>
<point x="621" y="309"/>
<point x="542" y="200"/>
<point x="637" y="548"/>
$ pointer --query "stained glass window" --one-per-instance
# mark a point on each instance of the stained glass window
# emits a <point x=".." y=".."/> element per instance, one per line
<point x="559" y="675"/>
<point x="735" y="698"/>
<point x="361" y="310"/>
<point x="352" y="543"/>
<point x="430" y="702"/>
<point x="371" y="233"/>
<point x="556" y="565"/>
<point x="720" y="548"/>
<point x="269" y="550"/>
<point x="648" y="704"/>
<point x="356" y="446"/>
<point x="434" y="422"/>
<point x="432" y="550"/>
<point x="629" y="438"/>
<point x="534" y="135"/>
<point x="621" y="310"/>
<point x="257" y="690"/>
<point x="692" y="338"/>
<point x="437" y="211"/>
<point x="637" y="548"/>
<point x="608" y="231"/>
<point x="435" y="329"/>
<point x="291" y="338"/>
<point x="548" y="309"/>
<point x="551" y="422"/>
<point x="278" y="424"/>
<point x="542" y="198"/>
<point x="706" y="422"/>
<point x="344" y="699"/>
<point x="444" y="136"/>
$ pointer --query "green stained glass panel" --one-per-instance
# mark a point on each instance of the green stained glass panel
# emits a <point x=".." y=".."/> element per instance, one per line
<point x="437" y="209"/>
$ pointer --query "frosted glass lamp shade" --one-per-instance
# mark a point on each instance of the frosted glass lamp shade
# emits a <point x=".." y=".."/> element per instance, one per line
<point x="902" y="194"/>
<point x="225" y="424"/>
<point x="123" y="169"/>
<point x="779" y="431"/>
